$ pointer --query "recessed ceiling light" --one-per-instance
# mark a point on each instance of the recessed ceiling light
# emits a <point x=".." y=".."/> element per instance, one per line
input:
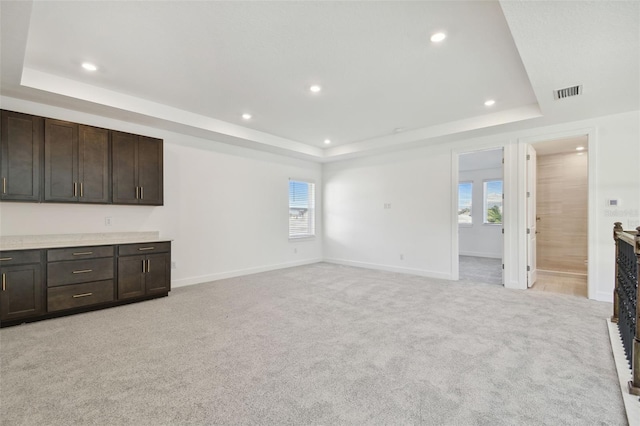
<point x="327" y="141"/>
<point x="246" y="116"/>
<point x="89" y="66"/>
<point x="438" y="37"/>
<point x="580" y="148"/>
<point x="315" y="88"/>
<point x="490" y="102"/>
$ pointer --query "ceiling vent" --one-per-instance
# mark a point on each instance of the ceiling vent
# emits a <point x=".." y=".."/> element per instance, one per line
<point x="567" y="92"/>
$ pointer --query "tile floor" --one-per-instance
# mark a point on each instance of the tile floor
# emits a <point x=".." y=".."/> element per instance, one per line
<point x="558" y="282"/>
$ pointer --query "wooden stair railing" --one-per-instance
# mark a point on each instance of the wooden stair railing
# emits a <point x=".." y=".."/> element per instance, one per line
<point x="626" y="311"/>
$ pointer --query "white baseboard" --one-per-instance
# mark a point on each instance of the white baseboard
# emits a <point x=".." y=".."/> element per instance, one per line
<point x="389" y="268"/>
<point x="631" y="406"/>
<point x="480" y="254"/>
<point x="238" y="273"/>
<point x="604" y="296"/>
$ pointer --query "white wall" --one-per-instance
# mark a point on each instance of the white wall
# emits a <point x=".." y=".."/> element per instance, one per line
<point x="418" y="182"/>
<point x="479" y="239"/>
<point x="359" y="231"/>
<point x="225" y="208"/>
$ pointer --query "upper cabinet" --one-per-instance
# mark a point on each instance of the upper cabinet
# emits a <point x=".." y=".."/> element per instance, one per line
<point x="51" y="160"/>
<point x="137" y="169"/>
<point x="20" y="156"/>
<point x="76" y="163"/>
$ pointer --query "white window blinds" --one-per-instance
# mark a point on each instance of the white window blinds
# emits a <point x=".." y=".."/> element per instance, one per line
<point x="302" y="200"/>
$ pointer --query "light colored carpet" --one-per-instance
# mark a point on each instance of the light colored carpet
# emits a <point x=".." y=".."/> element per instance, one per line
<point x="480" y="269"/>
<point x="319" y="344"/>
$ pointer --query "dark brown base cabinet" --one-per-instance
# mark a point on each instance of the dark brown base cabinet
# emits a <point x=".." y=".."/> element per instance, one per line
<point x="40" y="284"/>
<point x="22" y="292"/>
<point x="143" y="274"/>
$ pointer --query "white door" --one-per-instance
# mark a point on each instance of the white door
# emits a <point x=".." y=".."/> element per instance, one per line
<point x="532" y="272"/>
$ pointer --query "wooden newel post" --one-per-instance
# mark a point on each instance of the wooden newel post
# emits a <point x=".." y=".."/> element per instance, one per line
<point x="634" y="384"/>
<point x="617" y="227"/>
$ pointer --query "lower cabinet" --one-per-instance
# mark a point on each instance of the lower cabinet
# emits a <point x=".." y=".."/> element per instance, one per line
<point x="39" y="284"/>
<point x="143" y="274"/>
<point x="22" y="292"/>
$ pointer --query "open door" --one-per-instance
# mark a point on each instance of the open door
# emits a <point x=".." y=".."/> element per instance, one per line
<point x="532" y="273"/>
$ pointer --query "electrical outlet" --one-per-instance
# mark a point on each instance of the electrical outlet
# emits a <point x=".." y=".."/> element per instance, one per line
<point x="108" y="221"/>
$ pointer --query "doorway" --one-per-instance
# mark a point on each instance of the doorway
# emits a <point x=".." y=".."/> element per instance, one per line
<point x="561" y="216"/>
<point x="480" y="210"/>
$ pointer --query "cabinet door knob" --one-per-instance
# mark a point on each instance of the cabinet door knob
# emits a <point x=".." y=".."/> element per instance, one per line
<point x="4" y="282"/>
<point x="142" y="192"/>
<point x="4" y="185"/>
<point x="81" y="190"/>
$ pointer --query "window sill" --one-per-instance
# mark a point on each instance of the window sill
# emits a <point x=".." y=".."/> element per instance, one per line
<point x="302" y="238"/>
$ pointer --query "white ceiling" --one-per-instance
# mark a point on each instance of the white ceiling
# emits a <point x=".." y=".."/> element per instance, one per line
<point x="195" y="67"/>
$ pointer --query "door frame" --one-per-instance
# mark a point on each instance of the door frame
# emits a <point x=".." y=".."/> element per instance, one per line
<point x="592" y="267"/>
<point x="455" y="178"/>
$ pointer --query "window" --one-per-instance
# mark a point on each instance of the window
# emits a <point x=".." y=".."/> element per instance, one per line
<point x="302" y="196"/>
<point x="493" y="202"/>
<point x="465" y="191"/>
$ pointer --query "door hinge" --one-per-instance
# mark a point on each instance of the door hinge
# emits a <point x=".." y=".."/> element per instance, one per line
<point x="528" y="194"/>
<point x="528" y="231"/>
<point x="502" y="160"/>
<point x="528" y="157"/>
<point x="528" y="268"/>
<point x="503" y="266"/>
<point x="503" y="230"/>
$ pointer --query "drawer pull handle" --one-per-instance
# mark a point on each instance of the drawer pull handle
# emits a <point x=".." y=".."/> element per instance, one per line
<point x="82" y="253"/>
<point x="146" y="248"/>
<point x="4" y="281"/>
<point x="83" y="271"/>
<point x="81" y="190"/>
<point x="4" y="185"/>
<point x="75" y="296"/>
<point x="6" y="258"/>
<point x="148" y="265"/>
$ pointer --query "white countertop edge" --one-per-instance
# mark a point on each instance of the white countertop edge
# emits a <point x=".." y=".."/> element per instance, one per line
<point x="34" y="242"/>
<point x="37" y="246"/>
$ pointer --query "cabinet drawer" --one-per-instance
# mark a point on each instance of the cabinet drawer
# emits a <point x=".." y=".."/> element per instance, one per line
<point x="131" y="249"/>
<point x="78" y="271"/>
<point x="19" y="257"/>
<point x="75" y="296"/>
<point x="56" y="255"/>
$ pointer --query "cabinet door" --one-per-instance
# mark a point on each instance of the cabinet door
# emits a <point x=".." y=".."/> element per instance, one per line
<point x="125" y="173"/>
<point x="20" y="154"/>
<point x="93" y="165"/>
<point x="22" y="292"/>
<point x="60" y="161"/>
<point x="150" y="170"/>
<point x="158" y="273"/>
<point x="131" y="277"/>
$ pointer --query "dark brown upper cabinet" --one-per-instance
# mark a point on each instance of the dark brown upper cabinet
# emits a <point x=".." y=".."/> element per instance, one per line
<point x="21" y="142"/>
<point x="76" y="163"/>
<point x="137" y="176"/>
